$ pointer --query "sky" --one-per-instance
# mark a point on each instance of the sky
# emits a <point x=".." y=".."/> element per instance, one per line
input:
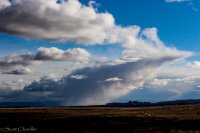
<point x="86" y="52"/>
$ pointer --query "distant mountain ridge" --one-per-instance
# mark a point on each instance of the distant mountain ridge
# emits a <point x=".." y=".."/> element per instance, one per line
<point x="114" y="104"/>
<point x="141" y="104"/>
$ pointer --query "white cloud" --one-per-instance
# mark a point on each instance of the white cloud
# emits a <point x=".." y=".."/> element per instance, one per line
<point x="77" y="54"/>
<point x="68" y="21"/>
<point x="141" y="44"/>
<point x="113" y="79"/>
<point x="127" y="36"/>
<point x="49" y="53"/>
<point x="152" y="35"/>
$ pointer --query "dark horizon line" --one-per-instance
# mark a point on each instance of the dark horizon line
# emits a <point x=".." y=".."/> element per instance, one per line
<point x="112" y="104"/>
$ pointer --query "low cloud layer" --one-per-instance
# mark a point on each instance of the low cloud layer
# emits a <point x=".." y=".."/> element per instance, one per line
<point x="82" y="87"/>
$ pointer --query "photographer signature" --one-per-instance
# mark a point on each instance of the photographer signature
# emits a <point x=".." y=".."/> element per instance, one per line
<point x="18" y="129"/>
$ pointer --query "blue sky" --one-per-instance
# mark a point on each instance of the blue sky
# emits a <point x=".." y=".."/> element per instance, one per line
<point x="122" y="50"/>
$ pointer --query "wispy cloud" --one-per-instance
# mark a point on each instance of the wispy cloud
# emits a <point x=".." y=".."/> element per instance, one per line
<point x="179" y="1"/>
<point x="194" y="4"/>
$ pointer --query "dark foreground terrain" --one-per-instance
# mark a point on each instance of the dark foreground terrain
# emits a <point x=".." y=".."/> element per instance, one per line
<point x="177" y="118"/>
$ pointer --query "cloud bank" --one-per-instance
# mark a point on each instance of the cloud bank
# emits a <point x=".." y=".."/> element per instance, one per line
<point x="82" y="87"/>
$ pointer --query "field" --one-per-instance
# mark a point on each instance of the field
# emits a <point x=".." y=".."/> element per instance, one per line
<point x="162" y="119"/>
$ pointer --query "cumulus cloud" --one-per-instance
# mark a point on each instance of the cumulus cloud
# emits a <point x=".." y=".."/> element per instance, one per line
<point x="19" y="71"/>
<point x="49" y="53"/>
<point x="58" y="54"/>
<point x="171" y="1"/>
<point x="43" y="54"/>
<point x="64" y="21"/>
